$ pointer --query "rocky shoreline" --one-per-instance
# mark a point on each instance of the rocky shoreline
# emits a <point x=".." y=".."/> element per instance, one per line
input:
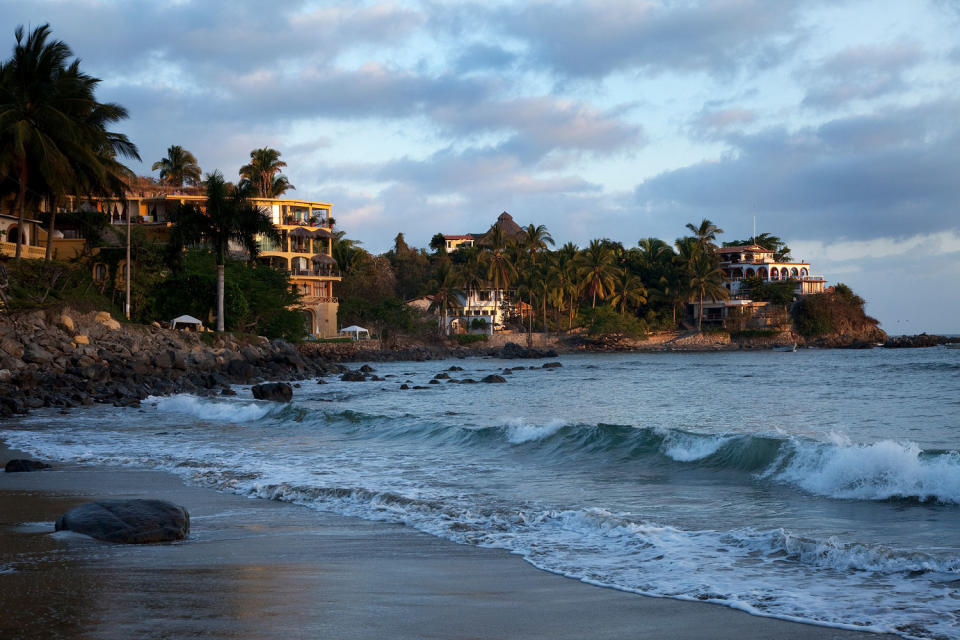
<point x="67" y="359"/>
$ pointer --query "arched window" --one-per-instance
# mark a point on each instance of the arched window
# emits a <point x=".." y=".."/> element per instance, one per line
<point x="99" y="272"/>
<point x="804" y="273"/>
<point x="750" y="273"/>
<point x="774" y="274"/>
<point x="300" y="265"/>
<point x="762" y="273"/>
<point x="794" y="272"/>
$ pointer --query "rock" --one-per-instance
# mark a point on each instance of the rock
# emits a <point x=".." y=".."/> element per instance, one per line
<point x="513" y="350"/>
<point x="493" y="378"/>
<point x="36" y="354"/>
<point x="102" y="317"/>
<point x="128" y="521"/>
<point x="353" y="376"/>
<point x="434" y="381"/>
<point x="552" y="365"/>
<point x="66" y="322"/>
<point x="5" y="375"/>
<point x="441" y="376"/>
<point x="367" y="369"/>
<point x="470" y="381"/>
<point x="273" y="391"/>
<point x="20" y="466"/>
<point x="322" y="381"/>
<point x="455" y="368"/>
<point x="227" y="391"/>
<point x="241" y="369"/>
<point x="12" y="347"/>
<point x="79" y="340"/>
<point x="404" y="386"/>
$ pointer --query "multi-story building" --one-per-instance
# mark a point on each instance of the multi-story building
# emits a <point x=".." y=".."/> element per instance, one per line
<point x="304" y="251"/>
<point x="740" y="263"/>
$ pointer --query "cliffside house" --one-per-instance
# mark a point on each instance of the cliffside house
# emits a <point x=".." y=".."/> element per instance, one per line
<point x="743" y="262"/>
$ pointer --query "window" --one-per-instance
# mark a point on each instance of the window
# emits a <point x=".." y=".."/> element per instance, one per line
<point x="99" y="272"/>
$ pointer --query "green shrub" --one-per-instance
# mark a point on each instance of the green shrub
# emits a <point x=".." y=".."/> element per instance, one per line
<point x="470" y="338"/>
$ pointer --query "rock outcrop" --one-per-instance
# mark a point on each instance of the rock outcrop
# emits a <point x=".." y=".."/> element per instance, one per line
<point x="22" y="466"/>
<point x="128" y="521"/>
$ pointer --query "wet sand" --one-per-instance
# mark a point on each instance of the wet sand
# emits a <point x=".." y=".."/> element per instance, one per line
<point x="261" y="569"/>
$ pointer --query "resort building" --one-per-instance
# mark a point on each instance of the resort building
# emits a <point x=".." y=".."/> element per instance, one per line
<point x="452" y="243"/>
<point x="304" y="251"/>
<point x="744" y="262"/>
<point x="511" y="230"/>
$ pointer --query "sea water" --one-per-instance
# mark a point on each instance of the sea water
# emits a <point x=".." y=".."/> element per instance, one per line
<point x="819" y="486"/>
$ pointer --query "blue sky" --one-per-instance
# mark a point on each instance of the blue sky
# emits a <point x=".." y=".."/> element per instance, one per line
<point x="834" y="124"/>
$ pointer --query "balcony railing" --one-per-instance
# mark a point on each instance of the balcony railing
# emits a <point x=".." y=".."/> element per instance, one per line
<point x="26" y="250"/>
<point x="329" y="272"/>
<point x="318" y="299"/>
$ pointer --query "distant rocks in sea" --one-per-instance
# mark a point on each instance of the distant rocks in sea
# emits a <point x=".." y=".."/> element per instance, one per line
<point x="128" y="521"/>
<point x="919" y="341"/>
<point x="512" y="350"/>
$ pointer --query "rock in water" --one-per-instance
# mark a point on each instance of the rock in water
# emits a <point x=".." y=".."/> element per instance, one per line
<point x="273" y="391"/>
<point x="493" y="379"/>
<point x="18" y="466"/>
<point x="128" y="521"/>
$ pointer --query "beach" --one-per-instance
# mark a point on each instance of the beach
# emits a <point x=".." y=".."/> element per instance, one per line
<point x="265" y="569"/>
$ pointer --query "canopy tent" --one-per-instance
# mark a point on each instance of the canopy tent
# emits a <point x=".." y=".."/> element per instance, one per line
<point x="322" y="258"/>
<point x="353" y="331"/>
<point x="186" y="322"/>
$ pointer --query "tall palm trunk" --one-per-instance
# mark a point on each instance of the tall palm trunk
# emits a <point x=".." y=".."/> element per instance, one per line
<point x="220" y="323"/>
<point x="700" y="313"/>
<point x="51" y="229"/>
<point x="21" y="202"/>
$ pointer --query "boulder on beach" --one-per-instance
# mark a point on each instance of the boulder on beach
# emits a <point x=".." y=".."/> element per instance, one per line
<point x="128" y="521"/>
<point x="21" y="466"/>
<point x="273" y="391"/>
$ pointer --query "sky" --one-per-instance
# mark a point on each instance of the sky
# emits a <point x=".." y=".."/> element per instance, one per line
<point x="832" y="124"/>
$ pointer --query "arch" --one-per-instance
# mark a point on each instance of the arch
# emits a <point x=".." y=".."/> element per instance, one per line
<point x="774" y="274"/>
<point x="762" y="273"/>
<point x="13" y="232"/>
<point x="299" y="264"/>
<point x="804" y="272"/>
<point x="794" y="272"/>
<point x="308" y="318"/>
<point x="750" y="273"/>
<point x="99" y="272"/>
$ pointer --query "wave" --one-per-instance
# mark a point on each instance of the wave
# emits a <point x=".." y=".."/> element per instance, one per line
<point x="882" y="470"/>
<point x="213" y="410"/>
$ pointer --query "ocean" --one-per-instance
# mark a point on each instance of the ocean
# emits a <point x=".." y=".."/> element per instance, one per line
<point x="819" y="486"/>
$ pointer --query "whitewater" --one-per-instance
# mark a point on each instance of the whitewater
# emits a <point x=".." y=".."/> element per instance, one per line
<point x="820" y="486"/>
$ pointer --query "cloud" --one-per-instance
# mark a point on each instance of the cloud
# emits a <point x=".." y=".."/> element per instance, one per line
<point x="863" y="176"/>
<point x="597" y="37"/>
<point x="859" y="73"/>
<point x="711" y="123"/>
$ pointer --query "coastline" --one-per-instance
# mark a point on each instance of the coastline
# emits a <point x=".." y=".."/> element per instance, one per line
<point x="263" y="569"/>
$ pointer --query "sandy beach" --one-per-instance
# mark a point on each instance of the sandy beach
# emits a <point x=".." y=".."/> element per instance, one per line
<point x="262" y="569"/>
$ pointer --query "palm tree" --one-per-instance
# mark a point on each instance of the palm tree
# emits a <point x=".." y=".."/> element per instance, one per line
<point x="597" y="270"/>
<point x="628" y="291"/>
<point x="263" y="173"/>
<point x="705" y="277"/>
<point x="227" y="217"/>
<point x="706" y="234"/>
<point x="445" y="291"/>
<point x="178" y="168"/>
<point x="52" y="130"/>
<point x="535" y="240"/>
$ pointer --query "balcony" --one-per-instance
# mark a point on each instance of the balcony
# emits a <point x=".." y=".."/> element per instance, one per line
<point x="321" y="272"/>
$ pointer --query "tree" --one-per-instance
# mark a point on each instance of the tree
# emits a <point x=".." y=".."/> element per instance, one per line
<point x="53" y="136"/>
<point x="263" y="173"/>
<point x="597" y="270"/>
<point x="628" y="292"/>
<point x="178" y="168"/>
<point x="439" y="244"/>
<point x="228" y="216"/>
<point x="706" y="234"/>
<point x="446" y="291"/>
<point x="770" y="242"/>
<point x="705" y="279"/>
<point x="534" y="241"/>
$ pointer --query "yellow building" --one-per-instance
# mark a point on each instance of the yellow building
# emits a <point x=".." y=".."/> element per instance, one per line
<point x="304" y="251"/>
